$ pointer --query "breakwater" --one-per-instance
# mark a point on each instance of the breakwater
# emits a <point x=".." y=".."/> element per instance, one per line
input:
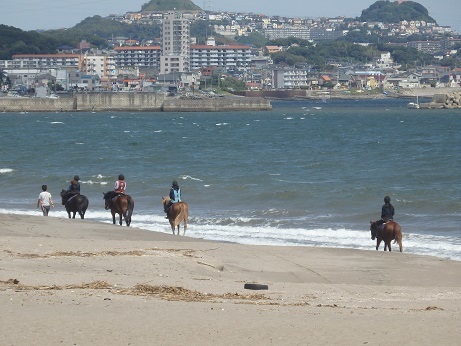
<point x="450" y="100"/>
<point x="132" y="102"/>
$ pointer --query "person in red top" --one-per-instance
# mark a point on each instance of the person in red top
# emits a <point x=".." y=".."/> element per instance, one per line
<point x="120" y="184"/>
<point x="119" y="188"/>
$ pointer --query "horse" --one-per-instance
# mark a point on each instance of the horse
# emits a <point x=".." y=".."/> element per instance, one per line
<point x="177" y="213"/>
<point x="391" y="231"/>
<point x="120" y="204"/>
<point x="74" y="203"/>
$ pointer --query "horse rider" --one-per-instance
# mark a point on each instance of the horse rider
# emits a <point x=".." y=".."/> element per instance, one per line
<point x="387" y="213"/>
<point x="175" y="196"/>
<point x="74" y="187"/>
<point x="119" y="188"/>
<point x="120" y="184"/>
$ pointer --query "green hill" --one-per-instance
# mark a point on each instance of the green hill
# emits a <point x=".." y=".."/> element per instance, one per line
<point x="394" y="12"/>
<point x="169" y="5"/>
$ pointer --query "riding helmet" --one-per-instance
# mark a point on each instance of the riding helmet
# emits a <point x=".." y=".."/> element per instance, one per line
<point x="387" y="199"/>
<point x="76" y="178"/>
<point x="175" y="183"/>
<point x="121" y="177"/>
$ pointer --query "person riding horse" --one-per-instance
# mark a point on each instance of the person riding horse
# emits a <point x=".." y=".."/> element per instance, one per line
<point x="119" y="188"/>
<point x="387" y="213"/>
<point x="74" y="187"/>
<point x="175" y="197"/>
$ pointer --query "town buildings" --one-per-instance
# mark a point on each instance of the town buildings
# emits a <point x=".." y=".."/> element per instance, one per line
<point x="175" y="58"/>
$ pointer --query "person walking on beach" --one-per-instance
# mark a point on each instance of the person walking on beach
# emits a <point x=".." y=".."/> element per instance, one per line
<point x="74" y="186"/>
<point x="387" y="212"/>
<point x="45" y="201"/>
<point x="175" y="196"/>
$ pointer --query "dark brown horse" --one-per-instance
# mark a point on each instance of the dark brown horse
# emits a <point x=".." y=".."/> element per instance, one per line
<point x="120" y="204"/>
<point x="74" y="203"/>
<point x="391" y="231"/>
<point x="177" y="213"/>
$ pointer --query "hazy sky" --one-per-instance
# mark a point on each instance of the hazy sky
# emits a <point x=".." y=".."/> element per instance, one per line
<point x="52" y="14"/>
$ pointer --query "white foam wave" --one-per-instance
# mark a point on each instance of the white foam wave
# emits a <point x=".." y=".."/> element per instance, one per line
<point x="246" y="231"/>
<point x="185" y="177"/>
<point x="91" y="182"/>
<point x="6" y="170"/>
<point x="56" y="122"/>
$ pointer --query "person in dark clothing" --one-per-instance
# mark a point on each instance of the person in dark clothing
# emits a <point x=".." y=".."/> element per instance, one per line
<point x="74" y="186"/>
<point x="387" y="212"/>
<point x="175" y="196"/>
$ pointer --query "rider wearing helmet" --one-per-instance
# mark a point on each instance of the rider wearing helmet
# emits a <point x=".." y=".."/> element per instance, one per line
<point x="119" y="188"/>
<point x="175" y="196"/>
<point x="387" y="211"/>
<point x="120" y="184"/>
<point x="74" y="187"/>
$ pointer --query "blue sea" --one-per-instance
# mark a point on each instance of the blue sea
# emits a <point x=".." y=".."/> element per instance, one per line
<point x="306" y="173"/>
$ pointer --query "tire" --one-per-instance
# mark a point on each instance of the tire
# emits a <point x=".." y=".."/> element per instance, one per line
<point x="255" y="287"/>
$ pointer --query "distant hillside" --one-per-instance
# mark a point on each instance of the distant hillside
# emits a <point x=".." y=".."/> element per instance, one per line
<point x="169" y="5"/>
<point x="394" y="12"/>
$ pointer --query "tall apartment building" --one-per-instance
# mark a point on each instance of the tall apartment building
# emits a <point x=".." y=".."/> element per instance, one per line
<point x="175" y="49"/>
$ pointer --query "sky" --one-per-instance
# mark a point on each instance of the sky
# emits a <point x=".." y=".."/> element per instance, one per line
<point x="54" y="14"/>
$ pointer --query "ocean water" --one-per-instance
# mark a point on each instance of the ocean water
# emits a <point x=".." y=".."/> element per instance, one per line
<point x="307" y="173"/>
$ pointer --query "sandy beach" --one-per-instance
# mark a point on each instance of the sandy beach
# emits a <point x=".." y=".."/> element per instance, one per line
<point x="77" y="282"/>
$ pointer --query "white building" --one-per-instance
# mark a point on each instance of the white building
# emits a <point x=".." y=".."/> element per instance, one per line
<point x="137" y="56"/>
<point x="220" y="56"/>
<point x="175" y="49"/>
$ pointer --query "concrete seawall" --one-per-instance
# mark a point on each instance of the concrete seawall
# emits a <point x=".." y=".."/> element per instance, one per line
<point x="131" y="102"/>
<point x="216" y="104"/>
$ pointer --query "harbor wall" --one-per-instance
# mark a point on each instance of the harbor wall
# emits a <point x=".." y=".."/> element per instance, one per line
<point x="131" y="102"/>
<point x="216" y="104"/>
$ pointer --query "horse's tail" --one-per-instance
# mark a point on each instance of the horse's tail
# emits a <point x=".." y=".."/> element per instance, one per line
<point x="186" y="215"/>
<point x="398" y="237"/>
<point x="129" y="211"/>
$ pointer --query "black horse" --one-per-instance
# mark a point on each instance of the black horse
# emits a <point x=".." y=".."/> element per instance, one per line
<point x="74" y="203"/>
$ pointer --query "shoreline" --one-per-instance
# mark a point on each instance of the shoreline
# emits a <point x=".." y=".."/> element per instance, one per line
<point x="178" y="290"/>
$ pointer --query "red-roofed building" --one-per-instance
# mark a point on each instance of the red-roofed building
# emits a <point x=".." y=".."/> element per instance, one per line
<point x="48" y="60"/>
<point x="144" y="56"/>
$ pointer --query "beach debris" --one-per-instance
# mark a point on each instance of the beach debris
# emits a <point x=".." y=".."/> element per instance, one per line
<point x="255" y="287"/>
<point x="172" y="293"/>
<point x="218" y="267"/>
<point x="12" y="281"/>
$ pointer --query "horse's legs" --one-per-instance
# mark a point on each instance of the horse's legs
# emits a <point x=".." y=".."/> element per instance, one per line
<point x="113" y="218"/>
<point x="378" y="241"/>
<point x="120" y="219"/>
<point x="68" y="213"/>
<point x="73" y="216"/>
<point x="127" y="219"/>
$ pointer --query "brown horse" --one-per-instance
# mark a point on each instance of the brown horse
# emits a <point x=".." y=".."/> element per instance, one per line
<point x="120" y="204"/>
<point x="391" y="231"/>
<point x="177" y="213"/>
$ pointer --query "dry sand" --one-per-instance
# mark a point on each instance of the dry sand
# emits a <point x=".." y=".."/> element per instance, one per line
<point x="77" y="282"/>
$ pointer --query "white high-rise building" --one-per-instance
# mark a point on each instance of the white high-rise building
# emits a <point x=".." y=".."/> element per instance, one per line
<point x="175" y="50"/>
